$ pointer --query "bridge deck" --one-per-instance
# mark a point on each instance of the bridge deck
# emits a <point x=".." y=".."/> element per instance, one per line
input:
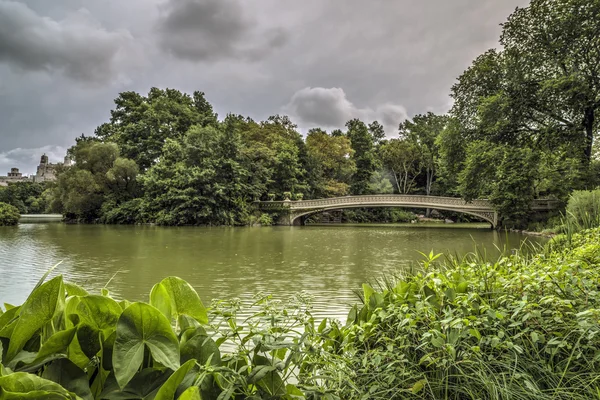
<point x="480" y="207"/>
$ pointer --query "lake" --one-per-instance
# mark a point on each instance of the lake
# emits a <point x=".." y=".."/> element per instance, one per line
<point x="328" y="262"/>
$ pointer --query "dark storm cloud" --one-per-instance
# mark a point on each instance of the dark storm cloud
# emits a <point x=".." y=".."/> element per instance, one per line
<point x="321" y="62"/>
<point x="208" y="30"/>
<point x="76" y="45"/>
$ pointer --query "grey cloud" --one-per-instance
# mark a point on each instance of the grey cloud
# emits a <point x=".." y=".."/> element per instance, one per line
<point x="329" y="107"/>
<point x="383" y="56"/>
<point x="76" y="45"/>
<point x="210" y="30"/>
<point x="28" y="159"/>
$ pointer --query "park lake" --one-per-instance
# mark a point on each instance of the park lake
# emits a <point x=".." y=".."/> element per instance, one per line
<point x="328" y="262"/>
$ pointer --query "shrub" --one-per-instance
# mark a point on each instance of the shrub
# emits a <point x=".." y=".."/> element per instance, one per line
<point x="9" y="215"/>
<point x="265" y="220"/>
<point x="130" y="212"/>
<point x="64" y="343"/>
<point x="515" y="328"/>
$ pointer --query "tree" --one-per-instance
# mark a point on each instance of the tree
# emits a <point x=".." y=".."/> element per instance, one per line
<point x="505" y="174"/>
<point x="140" y="125"/>
<point x="9" y="215"/>
<point x="100" y="181"/>
<point x="553" y="47"/>
<point x="404" y="162"/>
<point x="364" y="156"/>
<point x="423" y="132"/>
<point x="26" y="196"/>
<point x="542" y="89"/>
<point x="451" y="148"/>
<point x="331" y="163"/>
<point x="377" y="132"/>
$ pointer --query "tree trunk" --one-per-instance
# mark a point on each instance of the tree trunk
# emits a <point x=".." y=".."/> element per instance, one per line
<point x="396" y="179"/>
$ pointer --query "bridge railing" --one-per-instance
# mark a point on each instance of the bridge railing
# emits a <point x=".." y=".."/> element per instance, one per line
<point x="397" y="199"/>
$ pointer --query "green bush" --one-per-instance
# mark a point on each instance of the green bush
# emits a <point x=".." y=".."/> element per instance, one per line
<point x="520" y="327"/>
<point x="64" y="343"/>
<point x="378" y="215"/>
<point x="130" y="212"/>
<point x="265" y="220"/>
<point x="9" y="215"/>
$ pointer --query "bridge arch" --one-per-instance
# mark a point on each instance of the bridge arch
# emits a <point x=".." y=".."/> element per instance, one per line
<point x="490" y="217"/>
<point x="290" y="211"/>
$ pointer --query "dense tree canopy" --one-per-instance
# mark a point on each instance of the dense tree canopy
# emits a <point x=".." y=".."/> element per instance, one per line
<point x="522" y="127"/>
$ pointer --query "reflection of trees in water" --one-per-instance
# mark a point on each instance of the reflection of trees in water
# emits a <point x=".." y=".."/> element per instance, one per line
<point x="327" y="262"/>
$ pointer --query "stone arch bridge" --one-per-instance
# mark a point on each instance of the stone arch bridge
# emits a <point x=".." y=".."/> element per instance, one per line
<point x="293" y="212"/>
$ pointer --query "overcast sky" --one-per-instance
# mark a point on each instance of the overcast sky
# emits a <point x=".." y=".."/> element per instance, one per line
<point x="62" y="62"/>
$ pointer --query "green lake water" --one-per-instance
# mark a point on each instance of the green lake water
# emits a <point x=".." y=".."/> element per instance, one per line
<point x="328" y="262"/>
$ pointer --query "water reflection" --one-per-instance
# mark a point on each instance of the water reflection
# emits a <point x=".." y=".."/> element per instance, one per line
<point x="327" y="262"/>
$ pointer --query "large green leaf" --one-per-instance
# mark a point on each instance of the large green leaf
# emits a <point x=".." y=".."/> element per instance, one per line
<point x="167" y="391"/>
<point x="57" y="344"/>
<point x="41" y="307"/>
<point x="75" y="290"/>
<point x="8" y="317"/>
<point x="201" y="348"/>
<point x="191" y="393"/>
<point x="89" y="339"/>
<point x="180" y="296"/>
<point x="69" y="376"/>
<point x="20" y="385"/>
<point x="99" y="312"/>
<point x="143" y="385"/>
<point x="138" y="326"/>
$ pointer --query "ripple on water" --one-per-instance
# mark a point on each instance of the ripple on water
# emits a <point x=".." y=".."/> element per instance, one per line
<point x="329" y="262"/>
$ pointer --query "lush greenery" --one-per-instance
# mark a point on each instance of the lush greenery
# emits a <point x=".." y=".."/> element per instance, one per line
<point x="583" y="209"/>
<point x="9" y="214"/>
<point x="64" y="343"/>
<point x="522" y="127"/>
<point x="28" y="197"/>
<point x="520" y="327"/>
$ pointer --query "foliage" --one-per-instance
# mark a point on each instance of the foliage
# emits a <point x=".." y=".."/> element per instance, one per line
<point x="521" y="327"/>
<point x="65" y="343"/>
<point x="423" y="132"/>
<point x="28" y="197"/>
<point x="331" y="163"/>
<point x="404" y="162"/>
<point x="378" y="215"/>
<point x="522" y="126"/>
<point x="364" y="158"/>
<point x="99" y="181"/>
<point x="265" y="220"/>
<point x="583" y="209"/>
<point x="140" y="125"/>
<point x="9" y="214"/>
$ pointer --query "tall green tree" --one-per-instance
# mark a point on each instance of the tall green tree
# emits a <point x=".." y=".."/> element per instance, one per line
<point x="423" y="131"/>
<point x="364" y="157"/>
<point x="140" y="124"/>
<point x="451" y="145"/>
<point x="331" y="163"/>
<point x="403" y="160"/>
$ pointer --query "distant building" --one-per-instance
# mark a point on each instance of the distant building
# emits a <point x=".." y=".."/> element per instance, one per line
<point x="13" y="176"/>
<point x="47" y="171"/>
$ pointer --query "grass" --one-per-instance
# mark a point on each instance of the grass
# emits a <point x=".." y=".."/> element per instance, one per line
<point x="520" y="326"/>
